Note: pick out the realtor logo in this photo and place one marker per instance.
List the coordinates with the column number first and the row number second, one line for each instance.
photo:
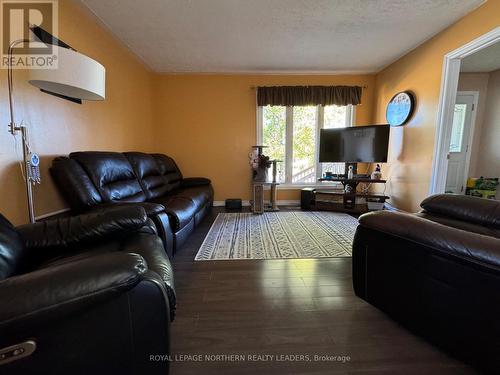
column 18, row 17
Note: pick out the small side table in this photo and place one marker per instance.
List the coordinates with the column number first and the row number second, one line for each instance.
column 258, row 206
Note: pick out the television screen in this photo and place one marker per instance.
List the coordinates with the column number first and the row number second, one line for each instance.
column 364, row 144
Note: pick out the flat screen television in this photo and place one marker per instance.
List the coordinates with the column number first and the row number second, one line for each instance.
column 364, row 144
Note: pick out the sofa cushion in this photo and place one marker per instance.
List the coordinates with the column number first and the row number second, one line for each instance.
column 168, row 169
column 12, row 249
column 147, row 170
column 180, row 210
column 112, row 175
column 200, row 195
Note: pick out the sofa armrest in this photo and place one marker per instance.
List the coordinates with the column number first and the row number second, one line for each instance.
column 67, row 231
column 195, row 181
column 159, row 223
column 475, row 210
column 75, row 184
column 58, row 290
column 456, row 242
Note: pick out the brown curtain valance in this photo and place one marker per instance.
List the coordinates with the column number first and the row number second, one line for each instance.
column 308, row 95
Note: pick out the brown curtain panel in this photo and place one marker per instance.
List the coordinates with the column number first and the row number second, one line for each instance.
column 308, row 95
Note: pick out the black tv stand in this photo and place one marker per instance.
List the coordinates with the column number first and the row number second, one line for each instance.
column 349, row 193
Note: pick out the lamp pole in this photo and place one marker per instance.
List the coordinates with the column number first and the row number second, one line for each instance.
column 14, row 130
column 87, row 84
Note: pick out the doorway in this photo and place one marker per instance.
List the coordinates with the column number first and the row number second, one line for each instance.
column 440, row 181
column 462, row 133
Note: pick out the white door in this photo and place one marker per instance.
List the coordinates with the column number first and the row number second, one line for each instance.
column 458, row 155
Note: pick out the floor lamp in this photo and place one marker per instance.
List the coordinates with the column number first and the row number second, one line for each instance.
column 76, row 78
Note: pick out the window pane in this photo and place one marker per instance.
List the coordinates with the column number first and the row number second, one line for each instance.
column 304, row 144
column 335, row 168
column 273, row 135
column 457, row 131
column 335, row 117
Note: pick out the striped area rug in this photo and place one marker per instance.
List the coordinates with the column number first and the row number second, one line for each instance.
column 279, row 235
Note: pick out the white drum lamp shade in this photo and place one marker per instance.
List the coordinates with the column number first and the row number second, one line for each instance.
column 77, row 76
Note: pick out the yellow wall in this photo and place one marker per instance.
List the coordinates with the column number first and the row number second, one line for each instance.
column 411, row 152
column 207, row 123
column 122, row 122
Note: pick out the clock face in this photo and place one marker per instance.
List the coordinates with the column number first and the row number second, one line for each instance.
column 400, row 108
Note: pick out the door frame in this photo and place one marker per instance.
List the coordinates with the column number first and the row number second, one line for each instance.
column 472, row 129
column 448, row 96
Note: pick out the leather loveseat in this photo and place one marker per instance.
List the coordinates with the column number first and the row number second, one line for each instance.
column 437, row 272
column 97, row 180
column 89, row 294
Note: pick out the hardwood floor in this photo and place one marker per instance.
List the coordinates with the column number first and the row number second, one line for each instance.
column 291, row 310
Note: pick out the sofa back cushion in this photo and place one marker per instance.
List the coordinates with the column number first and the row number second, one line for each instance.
column 112, row 175
column 11, row 249
column 153, row 182
column 75, row 184
column 168, row 169
column 460, row 207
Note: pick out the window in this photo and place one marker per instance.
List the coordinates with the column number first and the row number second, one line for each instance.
column 457, row 132
column 292, row 136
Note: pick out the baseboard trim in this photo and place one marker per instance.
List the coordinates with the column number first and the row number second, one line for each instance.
column 285, row 202
column 53, row 213
column 246, row 203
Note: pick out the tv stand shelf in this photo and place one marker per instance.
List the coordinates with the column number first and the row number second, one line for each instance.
column 349, row 202
column 352, row 180
column 360, row 195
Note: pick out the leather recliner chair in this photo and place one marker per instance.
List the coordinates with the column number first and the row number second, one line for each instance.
column 90, row 294
column 97, row 180
column 437, row 272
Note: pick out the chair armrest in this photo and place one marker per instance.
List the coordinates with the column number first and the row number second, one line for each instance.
column 195, row 181
column 152, row 209
column 67, row 231
column 467, row 245
column 58, row 290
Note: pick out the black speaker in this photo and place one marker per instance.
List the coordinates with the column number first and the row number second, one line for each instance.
column 233, row 204
column 307, row 198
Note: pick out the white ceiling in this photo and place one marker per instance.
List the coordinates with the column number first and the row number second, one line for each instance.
column 275, row 35
column 484, row 61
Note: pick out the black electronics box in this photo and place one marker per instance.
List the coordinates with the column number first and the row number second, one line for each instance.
column 233, row 204
column 307, row 198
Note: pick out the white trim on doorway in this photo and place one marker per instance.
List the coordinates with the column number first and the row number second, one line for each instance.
column 449, row 85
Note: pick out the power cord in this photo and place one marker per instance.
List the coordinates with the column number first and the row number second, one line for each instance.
column 366, row 187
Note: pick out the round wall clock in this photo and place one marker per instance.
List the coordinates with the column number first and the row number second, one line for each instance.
column 400, row 108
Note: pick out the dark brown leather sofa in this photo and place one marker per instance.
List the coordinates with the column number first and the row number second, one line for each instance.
column 89, row 294
column 437, row 272
column 96, row 180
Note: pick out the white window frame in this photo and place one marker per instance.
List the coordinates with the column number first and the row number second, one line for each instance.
column 320, row 115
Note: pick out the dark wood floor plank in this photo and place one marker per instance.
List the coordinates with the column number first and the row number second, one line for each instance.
column 302, row 307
